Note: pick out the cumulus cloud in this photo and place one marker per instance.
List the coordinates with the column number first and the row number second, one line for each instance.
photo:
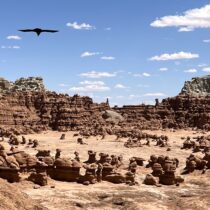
column 206, row 69
column 82, row 26
column 10, row 47
column 89, row 54
column 120, row 86
column 188, row 21
column 90, row 86
column 13, row 37
column 95, row 74
column 174, row 56
column 164, row 69
column 191, row 71
column 154, row 94
column 108, row 58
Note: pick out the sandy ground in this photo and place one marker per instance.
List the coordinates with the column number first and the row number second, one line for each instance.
column 194, row 193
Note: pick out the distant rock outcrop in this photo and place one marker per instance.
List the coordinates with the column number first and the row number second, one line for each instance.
column 198, row 86
column 22, row 84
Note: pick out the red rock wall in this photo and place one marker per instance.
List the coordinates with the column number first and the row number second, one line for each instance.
column 26, row 111
column 47, row 110
column 177, row 112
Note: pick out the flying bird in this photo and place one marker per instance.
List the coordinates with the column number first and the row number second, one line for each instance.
column 38, row 31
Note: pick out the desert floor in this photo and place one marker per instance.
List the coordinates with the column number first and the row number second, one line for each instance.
column 194, row 193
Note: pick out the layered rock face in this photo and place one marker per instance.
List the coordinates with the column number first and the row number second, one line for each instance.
column 191, row 108
column 26, row 106
column 48, row 110
column 178, row 112
column 198, row 86
column 39, row 110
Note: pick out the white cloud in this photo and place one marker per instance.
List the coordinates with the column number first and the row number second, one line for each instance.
column 154, row 94
column 206, row 69
column 86, row 82
column 14, row 37
column 202, row 65
column 10, row 47
column 109, row 58
column 89, row 54
column 82, row 26
column 191, row 71
column 90, row 86
column 174, row 56
column 164, row 69
column 189, row 21
column 95, row 74
column 185, row 29
column 206, row 40
column 120, row 86
column 108, row 29
column 146, row 74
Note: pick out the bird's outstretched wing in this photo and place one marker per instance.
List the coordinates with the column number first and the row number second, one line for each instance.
column 26, row 30
column 50, row 31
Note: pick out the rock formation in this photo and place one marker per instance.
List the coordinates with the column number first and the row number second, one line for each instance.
column 113, row 117
column 187, row 110
column 26, row 106
column 198, row 86
column 22, row 84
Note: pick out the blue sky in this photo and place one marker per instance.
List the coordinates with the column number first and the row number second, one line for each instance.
column 131, row 51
